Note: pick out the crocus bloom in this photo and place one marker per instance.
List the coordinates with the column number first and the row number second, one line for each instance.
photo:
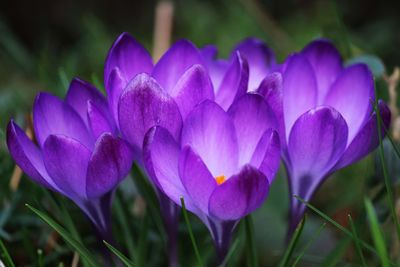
column 327, row 117
column 77, row 153
column 222, row 165
column 260, row 59
column 141, row 95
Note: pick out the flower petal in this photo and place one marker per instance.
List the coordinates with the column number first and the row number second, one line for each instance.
column 239, row 195
column 129, row 56
column 115, row 86
column 299, row 90
column 98, row 121
column 144, row 105
column 327, row 64
column 27, row 156
column 316, row 142
column 259, row 57
column 161, row 155
column 266, row 156
column 52, row 116
column 352, row 95
column 196, row 178
column 173, row 64
column 66, row 161
column 366, row 139
column 192, row 88
column 211, row 134
column 216, row 67
column 251, row 117
column 109, row 164
column 234, row 83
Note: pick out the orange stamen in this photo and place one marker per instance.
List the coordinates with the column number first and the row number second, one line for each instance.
column 220, row 179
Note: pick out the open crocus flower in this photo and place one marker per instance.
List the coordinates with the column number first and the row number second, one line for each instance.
column 222, row 165
column 260, row 59
column 327, row 117
column 77, row 153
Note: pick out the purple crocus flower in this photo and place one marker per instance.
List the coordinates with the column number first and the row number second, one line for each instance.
column 222, row 165
column 327, row 117
column 141, row 96
column 260, row 59
column 77, row 153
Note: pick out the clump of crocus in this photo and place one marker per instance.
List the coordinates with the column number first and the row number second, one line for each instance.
column 222, row 165
column 327, row 117
column 77, row 152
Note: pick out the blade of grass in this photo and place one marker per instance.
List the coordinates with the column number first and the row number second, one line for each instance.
column 309, row 243
column 387, row 179
column 376, row 233
column 143, row 241
column 231, row 252
column 83, row 251
column 251, row 248
column 189, row 226
column 121, row 256
column 6, row 255
column 336, row 254
column 40, row 258
column 357, row 242
column 292, row 244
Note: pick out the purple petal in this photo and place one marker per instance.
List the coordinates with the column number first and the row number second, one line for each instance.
column 98, row 121
column 352, row 95
column 109, row 164
column 144, row 105
column 196, row 178
column 216, row 67
column 27, row 156
column 234, row 83
column 66, row 161
column 251, row 117
column 210, row 132
column 327, row 64
column 366, row 139
column 192, row 88
column 260, row 59
column 316, row 142
column 115, row 86
column 299, row 90
column 78, row 95
column 52, row 116
column 266, row 156
column 129, row 56
column 239, row 195
column 173, row 64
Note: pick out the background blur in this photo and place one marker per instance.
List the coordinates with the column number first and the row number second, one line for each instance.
column 43, row 44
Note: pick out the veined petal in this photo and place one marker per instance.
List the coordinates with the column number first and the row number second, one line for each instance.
column 173, row 64
column 366, row 139
column 251, row 116
column 51, row 116
column 355, row 83
column 66, row 161
column 234, row 83
column 209, row 130
column 196, row 178
column 129, row 56
column 144, row 105
column 27, row 156
column 216, row 67
column 327, row 64
column 115, row 86
column 299, row 90
column 259, row 57
column 239, row 195
column 98, row 121
column 192, row 88
column 109, row 164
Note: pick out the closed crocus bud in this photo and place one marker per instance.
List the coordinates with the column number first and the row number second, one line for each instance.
column 77, row 153
column 327, row 117
column 222, row 165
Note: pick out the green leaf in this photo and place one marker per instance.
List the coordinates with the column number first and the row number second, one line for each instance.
column 292, row 244
column 121, row 256
column 336, row 254
column 357, row 242
column 83, row 251
column 189, row 226
column 40, row 258
column 251, row 247
column 6, row 255
column 232, row 250
column 377, row 234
